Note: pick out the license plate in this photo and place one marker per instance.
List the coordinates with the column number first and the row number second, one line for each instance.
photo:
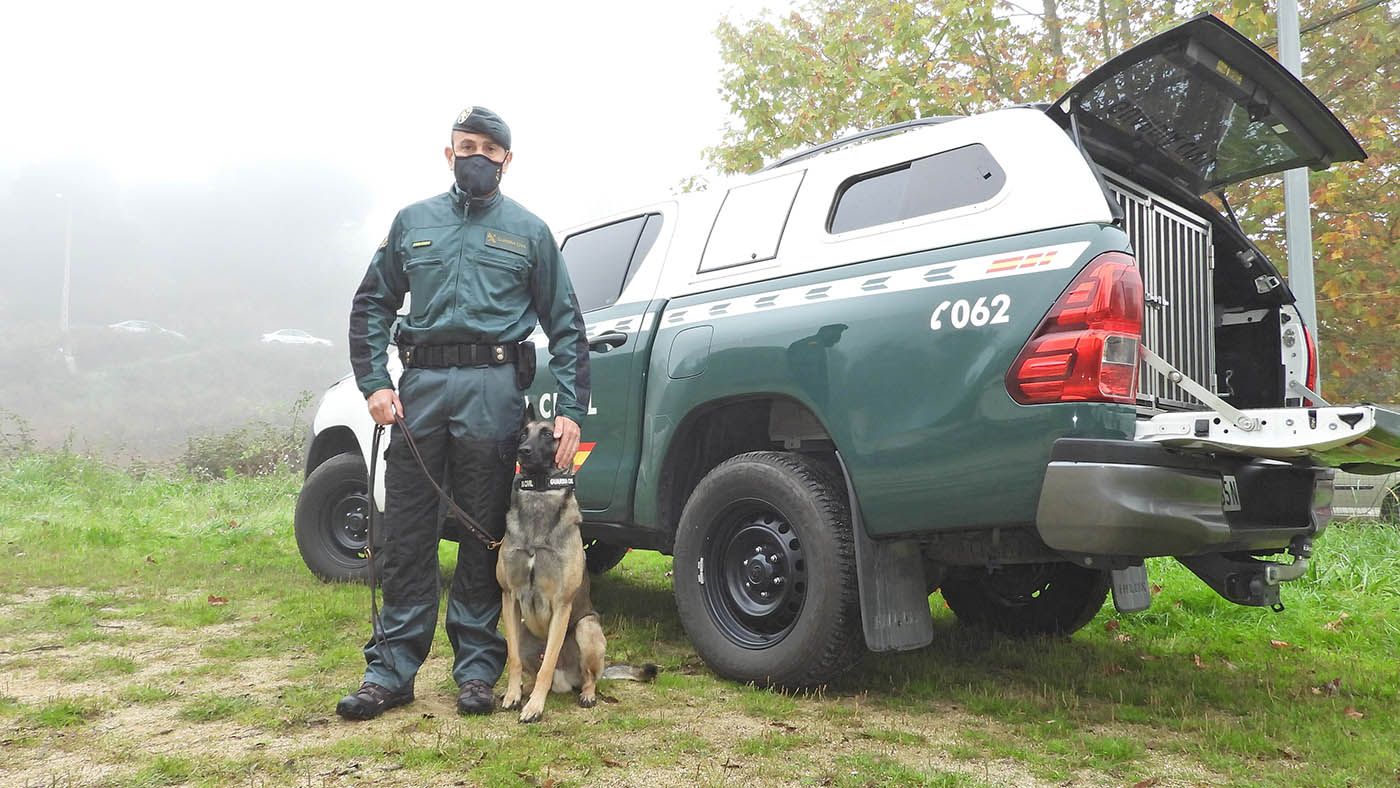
column 1230, row 494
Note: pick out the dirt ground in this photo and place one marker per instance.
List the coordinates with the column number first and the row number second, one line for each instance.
column 811, row 747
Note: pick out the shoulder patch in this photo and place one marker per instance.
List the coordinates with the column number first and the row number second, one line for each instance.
column 508, row 242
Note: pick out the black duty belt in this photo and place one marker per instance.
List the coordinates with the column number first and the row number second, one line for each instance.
column 460, row 355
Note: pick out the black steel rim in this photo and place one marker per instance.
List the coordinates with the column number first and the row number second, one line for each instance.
column 348, row 524
column 753, row 575
column 1016, row 586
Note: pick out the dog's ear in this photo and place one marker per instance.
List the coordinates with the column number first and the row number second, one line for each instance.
column 530, row 413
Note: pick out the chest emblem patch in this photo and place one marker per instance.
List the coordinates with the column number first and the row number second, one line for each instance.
column 506, row 241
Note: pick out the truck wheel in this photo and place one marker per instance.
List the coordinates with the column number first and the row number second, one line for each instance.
column 331, row 522
column 1026, row 599
column 1390, row 506
column 765, row 572
column 599, row 557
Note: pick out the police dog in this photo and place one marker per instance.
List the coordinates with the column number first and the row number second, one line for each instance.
column 551, row 628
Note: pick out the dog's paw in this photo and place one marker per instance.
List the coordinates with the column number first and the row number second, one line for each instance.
column 587, row 701
column 533, row 711
column 510, row 700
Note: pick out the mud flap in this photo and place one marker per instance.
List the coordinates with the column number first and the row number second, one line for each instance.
column 1130, row 591
column 893, row 589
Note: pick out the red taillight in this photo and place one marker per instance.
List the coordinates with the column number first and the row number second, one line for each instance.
column 1086, row 348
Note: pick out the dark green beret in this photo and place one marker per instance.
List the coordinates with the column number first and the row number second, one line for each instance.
column 483, row 121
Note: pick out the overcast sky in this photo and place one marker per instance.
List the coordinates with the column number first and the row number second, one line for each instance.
column 610, row 103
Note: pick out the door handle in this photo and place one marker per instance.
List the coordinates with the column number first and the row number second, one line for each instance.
column 607, row 340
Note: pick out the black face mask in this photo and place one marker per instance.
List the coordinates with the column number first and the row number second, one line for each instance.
column 477, row 176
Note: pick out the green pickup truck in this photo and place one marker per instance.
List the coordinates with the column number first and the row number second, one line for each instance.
column 1005, row 356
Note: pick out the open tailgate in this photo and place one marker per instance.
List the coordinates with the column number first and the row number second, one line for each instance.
column 1355, row 438
column 1204, row 106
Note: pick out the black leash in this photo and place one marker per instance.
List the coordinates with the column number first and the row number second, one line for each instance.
column 380, row 639
column 476, row 530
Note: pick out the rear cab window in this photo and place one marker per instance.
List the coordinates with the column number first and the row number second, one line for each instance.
column 750, row 223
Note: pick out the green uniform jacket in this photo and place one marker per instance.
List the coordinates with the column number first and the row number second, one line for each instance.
column 479, row 272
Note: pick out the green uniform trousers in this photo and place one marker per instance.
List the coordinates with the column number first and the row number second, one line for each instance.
column 465, row 422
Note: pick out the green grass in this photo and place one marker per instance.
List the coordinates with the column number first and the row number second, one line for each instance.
column 209, row 708
column 145, row 693
column 105, row 575
column 64, row 713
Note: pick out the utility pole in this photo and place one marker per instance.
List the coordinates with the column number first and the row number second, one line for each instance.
column 1296, row 211
column 63, row 328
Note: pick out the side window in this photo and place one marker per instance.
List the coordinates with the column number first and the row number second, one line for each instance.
column 952, row 179
column 599, row 260
column 750, row 222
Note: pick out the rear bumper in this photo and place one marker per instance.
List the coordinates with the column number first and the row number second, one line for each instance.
column 1125, row 498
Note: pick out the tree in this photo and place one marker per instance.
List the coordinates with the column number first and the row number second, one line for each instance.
column 831, row 68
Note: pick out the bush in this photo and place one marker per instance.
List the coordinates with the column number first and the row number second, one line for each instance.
column 16, row 439
column 256, row 449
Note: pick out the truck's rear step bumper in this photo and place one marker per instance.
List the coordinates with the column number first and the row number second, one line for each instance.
column 1127, row 498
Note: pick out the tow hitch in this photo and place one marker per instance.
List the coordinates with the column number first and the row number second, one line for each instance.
column 1250, row 581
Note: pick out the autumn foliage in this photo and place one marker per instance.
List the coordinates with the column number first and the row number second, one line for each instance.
column 830, row 68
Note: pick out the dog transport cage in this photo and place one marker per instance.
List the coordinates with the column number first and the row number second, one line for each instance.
column 1176, row 258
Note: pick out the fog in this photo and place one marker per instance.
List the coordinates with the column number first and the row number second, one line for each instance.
column 224, row 172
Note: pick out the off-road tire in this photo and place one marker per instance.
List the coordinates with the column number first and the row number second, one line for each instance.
column 1026, row 600
column 599, row 557
column 784, row 506
column 1390, row 506
column 333, row 490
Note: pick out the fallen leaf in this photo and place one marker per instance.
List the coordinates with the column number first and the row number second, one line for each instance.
column 1148, row 783
column 1197, row 661
column 1111, row 625
column 150, row 560
column 1123, row 637
column 1332, row 687
column 1156, row 589
column 1287, row 753
column 1353, row 713
column 1335, row 625
column 1279, row 643
column 610, row 762
column 218, row 601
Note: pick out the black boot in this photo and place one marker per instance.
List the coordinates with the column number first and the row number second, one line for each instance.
column 370, row 701
column 475, row 698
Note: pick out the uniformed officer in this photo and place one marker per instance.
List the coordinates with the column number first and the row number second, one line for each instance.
column 482, row 271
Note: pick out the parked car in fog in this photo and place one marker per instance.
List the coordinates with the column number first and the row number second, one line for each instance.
column 294, row 336
column 143, row 327
column 1367, row 496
